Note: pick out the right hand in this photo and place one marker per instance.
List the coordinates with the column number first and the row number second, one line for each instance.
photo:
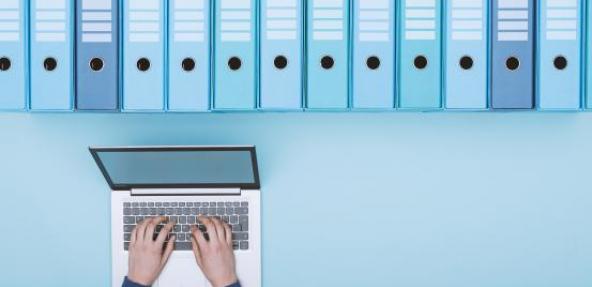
column 215, row 256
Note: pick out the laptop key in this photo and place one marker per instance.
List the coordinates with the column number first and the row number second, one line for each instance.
column 139, row 219
column 143, row 204
column 127, row 204
column 236, row 204
column 182, row 220
column 235, row 245
column 225, row 218
column 228, row 204
column 126, row 246
column 135, row 204
column 189, row 204
column 181, row 204
column 235, row 227
column 196, row 204
column 169, row 211
column 150, row 204
column 158, row 204
column 190, row 219
column 221, row 211
column 127, row 236
column 128, row 228
column 203, row 211
column 233, row 219
column 230, row 210
column 153, row 211
column 205, row 204
column 244, row 245
column 129, row 220
column 166, row 204
column 186, row 228
column 243, row 220
column 242, row 210
column 240, row 236
column 177, row 228
column 220, row 204
column 174, row 219
column 186, row 211
column 174, row 204
column 161, row 211
column 185, row 245
column 193, row 211
column 181, row 237
column 245, row 204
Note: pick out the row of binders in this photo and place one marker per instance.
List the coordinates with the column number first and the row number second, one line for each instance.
column 200, row 55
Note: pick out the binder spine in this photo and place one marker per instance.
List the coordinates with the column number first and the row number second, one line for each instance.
column 13, row 55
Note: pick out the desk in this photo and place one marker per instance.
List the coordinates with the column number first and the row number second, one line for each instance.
column 386, row 199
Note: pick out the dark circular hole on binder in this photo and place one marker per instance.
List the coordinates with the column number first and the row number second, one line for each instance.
column 4, row 64
column 188, row 64
column 143, row 64
column 466, row 62
column 96, row 64
column 327, row 62
column 235, row 63
column 420, row 62
column 280, row 62
column 512, row 63
column 560, row 63
column 50, row 64
column 373, row 62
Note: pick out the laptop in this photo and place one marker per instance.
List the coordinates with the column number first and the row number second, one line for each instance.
column 182, row 182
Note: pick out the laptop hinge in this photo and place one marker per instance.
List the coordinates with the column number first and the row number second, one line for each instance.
column 185, row 191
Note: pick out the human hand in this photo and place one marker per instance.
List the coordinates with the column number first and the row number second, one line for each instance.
column 215, row 257
column 146, row 255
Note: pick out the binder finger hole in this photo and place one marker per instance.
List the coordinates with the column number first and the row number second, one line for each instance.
column 373, row 62
column 50, row 64
column 466, row 62
column 280, row 62
column 4, row 64
column 96, row 64
column 235, row 63
column 143, row 64
column 188, row 64
column 512, row 63
column 420, row 62
column 560, row 63
column 327, row 62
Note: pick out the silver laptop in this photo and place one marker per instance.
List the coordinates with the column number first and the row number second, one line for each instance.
column 181, row 182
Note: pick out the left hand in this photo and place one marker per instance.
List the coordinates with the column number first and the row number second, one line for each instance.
column 146, row 255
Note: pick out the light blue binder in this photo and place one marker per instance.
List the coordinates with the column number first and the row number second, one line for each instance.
column 588, row 47
column 235, row 59
column 143, row 55
column 420, row 55
column 466, row 60
column 52, row 55
column 327, row 54
column 281, row 54
column 373, row 75
column 188, row 55
column 13, row 47
column 512, row 54
column 559, row 55
column 97, row 55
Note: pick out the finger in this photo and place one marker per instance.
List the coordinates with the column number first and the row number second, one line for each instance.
column 210, row 228
column 133, row 236
column 164, row 232
column 167, row 251
column 228, row 232
column 153, row 222
column 196, row 251
column 219, row 229
column 202, row 243
column 141, row 230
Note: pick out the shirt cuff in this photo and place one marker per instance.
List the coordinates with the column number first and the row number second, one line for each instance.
column 237, row 284
column 130, row 283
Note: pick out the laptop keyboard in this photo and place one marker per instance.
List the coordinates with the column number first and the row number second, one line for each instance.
column 185, row 214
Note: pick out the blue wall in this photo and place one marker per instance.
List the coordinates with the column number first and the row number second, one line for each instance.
column 401, row 199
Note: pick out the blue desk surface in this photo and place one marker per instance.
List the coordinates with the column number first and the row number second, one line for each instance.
column 404, row 199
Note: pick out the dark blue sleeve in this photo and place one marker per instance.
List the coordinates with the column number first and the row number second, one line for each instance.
column 129, row 283
column 237, row 284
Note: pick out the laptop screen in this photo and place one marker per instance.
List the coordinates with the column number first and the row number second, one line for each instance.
column 178, row 167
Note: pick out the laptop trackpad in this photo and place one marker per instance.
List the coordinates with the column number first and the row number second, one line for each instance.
column 181, row 272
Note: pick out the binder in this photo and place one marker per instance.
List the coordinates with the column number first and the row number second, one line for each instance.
column 52, row 55
column 235, row 62
column 97, row 49
column 420, row 54
column 327, row 54
column 588, row 47
column 143, row 55
column 188, row 55
column 512, row 54
column 559, row 55
column 373, row 54
column 281, row 54
column 13, row 47
column 466, row 60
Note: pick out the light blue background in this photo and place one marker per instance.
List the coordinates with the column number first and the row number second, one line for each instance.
column 391, row 199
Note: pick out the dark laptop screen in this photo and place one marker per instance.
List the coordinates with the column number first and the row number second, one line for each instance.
column 162, row 167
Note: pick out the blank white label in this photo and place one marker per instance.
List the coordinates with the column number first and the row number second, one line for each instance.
column 96, row 4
